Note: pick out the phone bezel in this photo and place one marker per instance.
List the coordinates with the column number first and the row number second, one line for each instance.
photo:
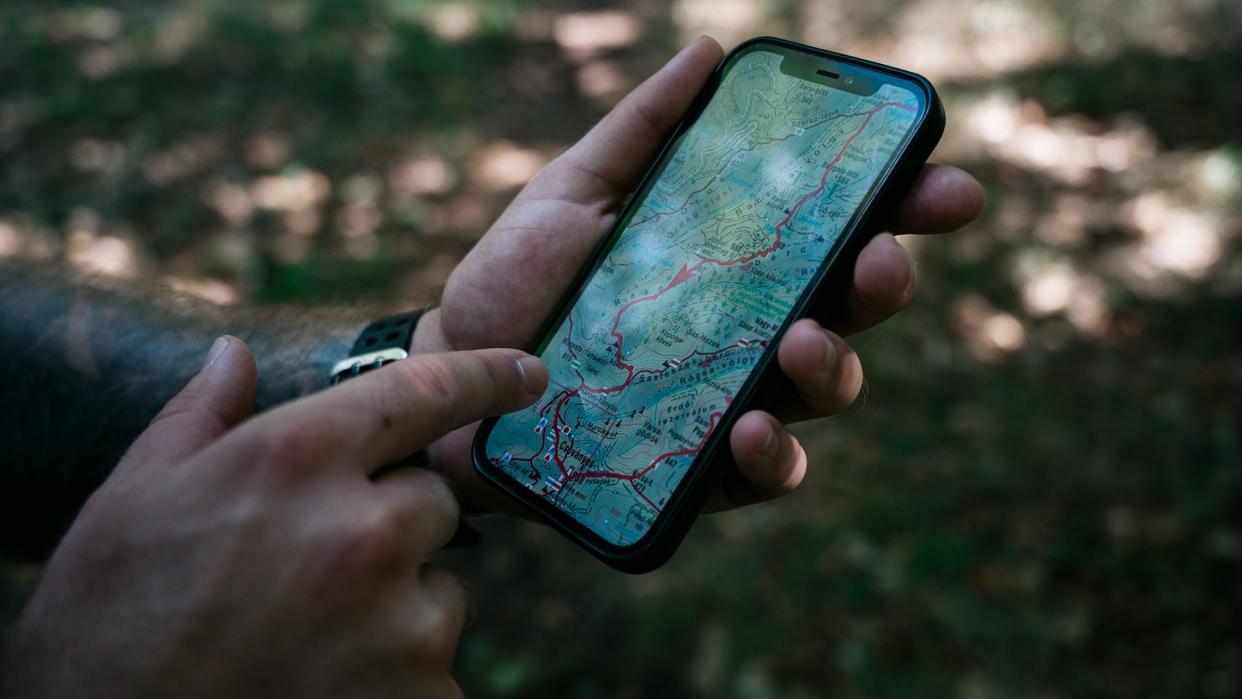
column 671, row 525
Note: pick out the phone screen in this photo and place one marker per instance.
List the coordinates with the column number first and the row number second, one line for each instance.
column 737, row 222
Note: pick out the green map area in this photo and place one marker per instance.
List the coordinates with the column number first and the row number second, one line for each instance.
column 678, row 312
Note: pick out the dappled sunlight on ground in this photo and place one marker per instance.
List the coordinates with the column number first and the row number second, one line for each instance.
column 502, row 165
column 1068, row 148
column 583, row 34
column 989, row 333
column 1175, row 240
column 107, row 255
column 452, row 21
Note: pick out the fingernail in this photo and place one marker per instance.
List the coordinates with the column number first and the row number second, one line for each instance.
column 531, row 370
column 913, row 266
column 217, row 349
column 912, row 282
column 830, row 351
column 770, row 444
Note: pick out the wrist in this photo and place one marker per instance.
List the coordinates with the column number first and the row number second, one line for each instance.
column 296, row 359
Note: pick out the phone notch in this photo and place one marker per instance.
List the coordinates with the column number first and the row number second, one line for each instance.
column 834, row 74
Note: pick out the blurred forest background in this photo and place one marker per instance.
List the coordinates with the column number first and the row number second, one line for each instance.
column 1042, row 493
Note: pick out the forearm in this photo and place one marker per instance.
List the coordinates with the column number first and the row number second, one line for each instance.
column 85, row 363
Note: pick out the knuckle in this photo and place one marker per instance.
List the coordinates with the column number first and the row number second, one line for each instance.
column 432, row 635
column 180, row 404
column 430, row 508
column 499, row 370
column 431, row 377
column 440, row 494
column 185, row 410
column 430, row 641
column 288, row 448
column 373, row 541
column 448, row 589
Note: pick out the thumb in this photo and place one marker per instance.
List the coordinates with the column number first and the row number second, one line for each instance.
column 219, row 396
column 619, row 150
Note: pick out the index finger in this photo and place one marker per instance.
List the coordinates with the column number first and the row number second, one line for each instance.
column 388, row 414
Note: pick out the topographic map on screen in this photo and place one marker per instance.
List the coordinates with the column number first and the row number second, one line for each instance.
column 678, row 311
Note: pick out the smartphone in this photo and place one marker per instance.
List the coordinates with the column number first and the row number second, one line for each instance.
column 776, row 177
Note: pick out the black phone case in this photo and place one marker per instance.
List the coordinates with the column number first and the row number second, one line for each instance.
column 832, row 280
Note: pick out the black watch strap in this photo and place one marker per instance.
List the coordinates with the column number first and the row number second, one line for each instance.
column 386, row 340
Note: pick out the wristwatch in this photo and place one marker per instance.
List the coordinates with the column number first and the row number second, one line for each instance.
column 384, row 341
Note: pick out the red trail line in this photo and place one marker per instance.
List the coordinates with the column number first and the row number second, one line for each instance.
column 711, row 425
column 686, row 273
column 683, row 275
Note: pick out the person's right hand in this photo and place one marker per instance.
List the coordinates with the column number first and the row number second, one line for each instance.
column 503, row 291
column 267, row 558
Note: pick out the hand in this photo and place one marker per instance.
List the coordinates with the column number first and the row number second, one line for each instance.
column 266, row 558
column 554, row 224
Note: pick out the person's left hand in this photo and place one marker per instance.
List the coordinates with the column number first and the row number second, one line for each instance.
column 556, row 221
column 275, row 555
